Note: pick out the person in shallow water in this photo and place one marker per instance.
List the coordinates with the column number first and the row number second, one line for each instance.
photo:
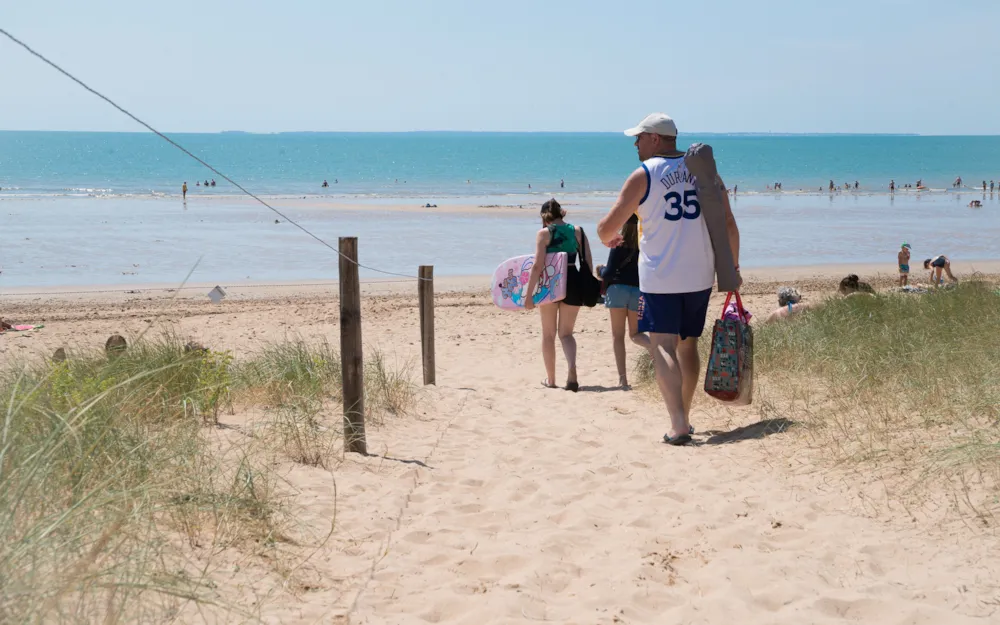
column 558, row 318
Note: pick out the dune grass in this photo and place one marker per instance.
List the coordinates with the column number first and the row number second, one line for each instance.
column 898, row 386
column 908, row 384
column 108, row 474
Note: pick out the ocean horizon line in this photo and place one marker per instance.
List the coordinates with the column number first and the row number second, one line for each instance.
column 736, row 134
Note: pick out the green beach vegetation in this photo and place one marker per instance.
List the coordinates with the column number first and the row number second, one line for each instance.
column 902, row 387
column 111, row 469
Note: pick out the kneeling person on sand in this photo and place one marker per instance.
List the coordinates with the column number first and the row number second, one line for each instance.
column 938, row 264
column 676, row 262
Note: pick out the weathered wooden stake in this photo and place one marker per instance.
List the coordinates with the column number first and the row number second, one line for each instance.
column 351, row 357
column 426, row 290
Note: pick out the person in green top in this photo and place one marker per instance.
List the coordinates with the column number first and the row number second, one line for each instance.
column 558, row 318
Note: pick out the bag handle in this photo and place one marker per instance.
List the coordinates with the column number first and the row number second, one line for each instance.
column 739, row 306
column 583, row 252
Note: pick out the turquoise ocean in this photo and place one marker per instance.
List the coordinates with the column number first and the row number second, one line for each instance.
column 82, row 208
column 466, row 164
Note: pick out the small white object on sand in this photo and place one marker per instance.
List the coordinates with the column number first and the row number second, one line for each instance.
column 217, row 294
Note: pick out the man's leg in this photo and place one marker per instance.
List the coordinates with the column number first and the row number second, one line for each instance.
column 687, row 353
column 638, row 338
column 663, row 349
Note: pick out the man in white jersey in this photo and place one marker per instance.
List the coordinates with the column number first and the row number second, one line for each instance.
column 676, row 262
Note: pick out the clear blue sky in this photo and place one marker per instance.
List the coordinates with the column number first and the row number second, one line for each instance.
column 587, row 65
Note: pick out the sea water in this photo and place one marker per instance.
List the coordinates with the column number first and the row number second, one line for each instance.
column 104, row 208
column 465, row 164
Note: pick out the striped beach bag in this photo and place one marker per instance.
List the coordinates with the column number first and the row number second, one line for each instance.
column 729, row 376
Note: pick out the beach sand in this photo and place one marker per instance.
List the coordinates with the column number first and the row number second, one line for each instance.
column 498, row 501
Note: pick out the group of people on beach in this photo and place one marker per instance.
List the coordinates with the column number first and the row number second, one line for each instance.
column 664, row 259
column 936, row 265
column 919, row 186
column 659, row 275
column 958, row 185
column 184, row 187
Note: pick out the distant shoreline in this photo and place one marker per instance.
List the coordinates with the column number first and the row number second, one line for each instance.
column 194, row 195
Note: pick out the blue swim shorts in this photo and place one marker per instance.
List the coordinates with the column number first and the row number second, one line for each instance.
column 682, row 314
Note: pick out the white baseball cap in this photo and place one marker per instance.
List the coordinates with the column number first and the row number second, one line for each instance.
column 655, row 123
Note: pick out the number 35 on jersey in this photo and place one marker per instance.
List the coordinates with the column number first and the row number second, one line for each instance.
column 685, row 206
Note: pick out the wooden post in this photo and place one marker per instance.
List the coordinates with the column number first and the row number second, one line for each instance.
column 425, row 288
column 351, row 357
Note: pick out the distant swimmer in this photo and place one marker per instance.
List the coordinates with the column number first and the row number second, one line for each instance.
column 325, row 184
column 206, row 183
column 831, row 186
column 197, row 183
column 735, row 187
column 991, row 186
column 856, row 185
column 336, row 181
column 892, row 186
column 984, row 186
column 957, row 183
column 213, row 182
column 184, row 189
column 562, row 183
column 529, row 185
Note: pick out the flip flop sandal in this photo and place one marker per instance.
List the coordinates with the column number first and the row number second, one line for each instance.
column 682, row 439
column 545, row 383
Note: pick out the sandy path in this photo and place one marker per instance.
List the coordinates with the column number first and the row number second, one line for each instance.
column 540, row 505
column 547, row 506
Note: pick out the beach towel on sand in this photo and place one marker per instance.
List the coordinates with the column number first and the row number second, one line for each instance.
column 729, row 375
column 22, row 328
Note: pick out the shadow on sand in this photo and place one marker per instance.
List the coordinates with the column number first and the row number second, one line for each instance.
column 758, row 430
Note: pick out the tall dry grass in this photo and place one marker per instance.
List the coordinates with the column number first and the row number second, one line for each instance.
column 108, row 474
column 902, row 387
column 904, row 384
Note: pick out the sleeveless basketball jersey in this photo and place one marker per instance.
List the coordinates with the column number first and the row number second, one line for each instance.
column 675, row 251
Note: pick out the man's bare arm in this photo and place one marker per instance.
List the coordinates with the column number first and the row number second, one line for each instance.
column 627, row 203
